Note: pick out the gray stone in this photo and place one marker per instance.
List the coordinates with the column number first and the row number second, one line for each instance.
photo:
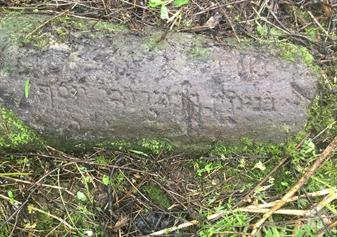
column 186, row 90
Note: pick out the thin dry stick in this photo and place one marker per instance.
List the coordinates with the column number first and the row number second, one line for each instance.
column 321, row 159
column 8, row 199
column 174, row 228
column 308, row 213
column 187, row 224
column 43, row 185
column 329, row 227
column 45, row 23
column 82, row 161
column 32, row 190
column 313, row 194
column 32, row 208
column 290, row 212
column 270, row 23
column 318, row 24
column 317, row 208
column 229, row 21
column 130, row 182
column 62, row 199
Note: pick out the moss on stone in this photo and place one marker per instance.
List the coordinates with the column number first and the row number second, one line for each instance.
column 109, row 27
column 146, row 145
column 198, row 49
column 15, row 27
column 322, row 113
column 323, row 110
column 14, row 134
column 293, row 53
column 153, row 42
column 41, row 30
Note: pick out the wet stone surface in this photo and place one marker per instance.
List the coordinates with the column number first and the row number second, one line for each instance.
column 184, row 90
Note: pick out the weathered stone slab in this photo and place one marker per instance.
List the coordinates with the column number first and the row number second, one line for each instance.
column 186, row 90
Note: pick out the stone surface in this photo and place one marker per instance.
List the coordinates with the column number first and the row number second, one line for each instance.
column 185, row 89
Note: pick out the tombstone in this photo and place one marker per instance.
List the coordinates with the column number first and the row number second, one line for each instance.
column 184, row 89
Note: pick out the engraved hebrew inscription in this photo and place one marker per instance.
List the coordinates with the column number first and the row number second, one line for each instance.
column 121, row 89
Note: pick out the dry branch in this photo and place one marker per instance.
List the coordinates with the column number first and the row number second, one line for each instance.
column 313, row 194
column 317, row 164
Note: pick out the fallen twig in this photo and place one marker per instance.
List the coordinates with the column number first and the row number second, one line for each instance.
column 329, row 227
column 328, row 199
column 307, row 213
column 318, row 24
column 31, row 208
column 39, row 184
column 321, row 159
column 45, row 23
column 291, row 212
column 174, row 228
column 313, row 194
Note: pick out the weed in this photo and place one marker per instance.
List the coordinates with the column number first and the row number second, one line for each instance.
column 106, row 180
column 164, row 11
column 101, row 159
column 305, row 231
column 156, row 146
column 248, row 147
column 81, row 196
column 118, row 181
column 203, row 167
column 229, row 225
column 273, row 232
column 267, row 32
column 12, row 200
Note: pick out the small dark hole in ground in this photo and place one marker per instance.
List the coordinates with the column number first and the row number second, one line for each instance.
column 152, row 222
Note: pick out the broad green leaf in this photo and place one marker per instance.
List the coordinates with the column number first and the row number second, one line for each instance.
column 81, row 196
column 285, row 184
column 10, row 194
column 106, row 180
column 11, row 197
column 164, row 12
column 155, row 3
column 27, row 86
column 179, row 3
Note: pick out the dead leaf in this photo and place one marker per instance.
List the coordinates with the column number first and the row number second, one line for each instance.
column 327, row 9
column 213, row 21
column 122, row 221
